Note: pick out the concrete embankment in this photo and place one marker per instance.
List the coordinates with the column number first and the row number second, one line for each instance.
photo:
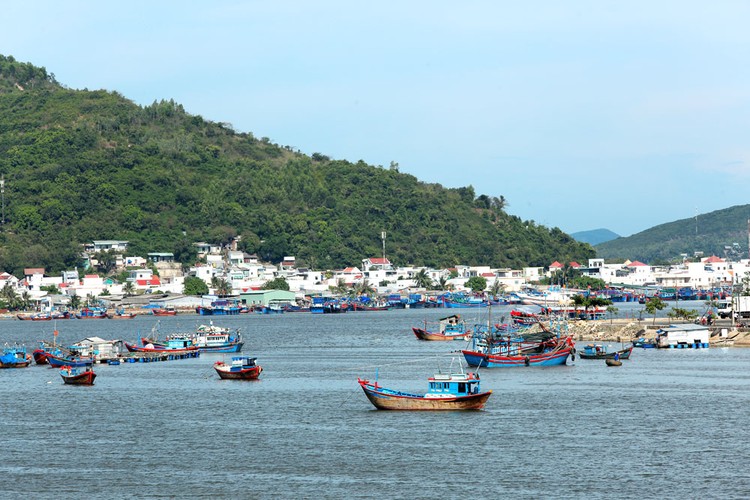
column 619, row 330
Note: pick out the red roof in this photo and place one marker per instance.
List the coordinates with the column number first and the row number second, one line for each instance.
column 555, row 264
column 713, row 259
column 636, row 263
column 488, row 275
column 153, row 281
column 379, row 260
column 574, row 264
column 33, row 270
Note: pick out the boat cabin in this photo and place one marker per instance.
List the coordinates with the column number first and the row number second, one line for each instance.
column 595, row 349
column 243, row 362
column 451, row 385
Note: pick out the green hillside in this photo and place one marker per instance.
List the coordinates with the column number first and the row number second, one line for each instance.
column 81, row 165
column 709, row 233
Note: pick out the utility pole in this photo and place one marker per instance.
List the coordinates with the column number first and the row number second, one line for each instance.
column 2, row 195
column 382, row 237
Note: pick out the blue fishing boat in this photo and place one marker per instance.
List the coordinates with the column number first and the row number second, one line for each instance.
column 60, row 360
column 455, row 390
column 15, row 357
column 541, row 349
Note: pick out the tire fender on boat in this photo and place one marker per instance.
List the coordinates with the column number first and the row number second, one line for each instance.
column 526, row 361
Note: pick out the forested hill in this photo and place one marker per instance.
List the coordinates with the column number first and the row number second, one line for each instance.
column 81, row 165
column 723, row 233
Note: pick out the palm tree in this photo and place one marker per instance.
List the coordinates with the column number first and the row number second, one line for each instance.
column 442, row 282
column 75, row 302
column 128, row 288
column 422, row 279
column 364, row 288
column 497, row 288
column 25, row 300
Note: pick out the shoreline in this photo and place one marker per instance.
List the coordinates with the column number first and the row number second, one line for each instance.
column 626, row 330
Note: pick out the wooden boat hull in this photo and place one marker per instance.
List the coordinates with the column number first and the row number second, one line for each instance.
column 40, row 357
column 613, row 362
column 423, row 334
column 61, row 361
column 17, row 364
column 624, row 354
column 551, row 358
column 83, row 378
column 246, row 374
column 164, row 313
column 392, row 401
column 135, row 348
column 123, row 316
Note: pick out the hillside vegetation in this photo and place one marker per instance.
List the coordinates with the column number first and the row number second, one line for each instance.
column 81, row 165
column 723, row 233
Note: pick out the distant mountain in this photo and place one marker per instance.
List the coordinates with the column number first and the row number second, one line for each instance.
column 594, row 236
column 723, row 233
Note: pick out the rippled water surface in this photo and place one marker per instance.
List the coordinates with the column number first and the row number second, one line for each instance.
column 667, row 424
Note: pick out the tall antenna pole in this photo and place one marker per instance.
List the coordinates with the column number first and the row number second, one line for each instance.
column 382, row 237
column 2, row 195
column 748, row 238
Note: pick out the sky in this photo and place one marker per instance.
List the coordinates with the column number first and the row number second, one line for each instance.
column 582, row 114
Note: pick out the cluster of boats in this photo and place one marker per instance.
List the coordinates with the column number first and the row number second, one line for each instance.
column 76, row 362
column 524, row 343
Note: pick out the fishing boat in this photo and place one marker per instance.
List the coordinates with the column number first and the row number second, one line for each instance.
column 164, row 311
column 599, row 351
column 92, row 313
column 240, row 368
column 644, row 343
column 175, row 345
column 446, row 391
column 61, row 359
column 208, row 338
column 15, row 357
column 523, row 349
column 448, row 328
column 121, row 314
column 75, row 375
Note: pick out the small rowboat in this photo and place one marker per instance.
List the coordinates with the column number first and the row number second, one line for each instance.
column 613, row 362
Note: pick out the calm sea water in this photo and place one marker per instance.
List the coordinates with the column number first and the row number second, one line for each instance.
column 667, row 424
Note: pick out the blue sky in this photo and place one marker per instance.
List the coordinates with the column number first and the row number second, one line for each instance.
column 582, row 114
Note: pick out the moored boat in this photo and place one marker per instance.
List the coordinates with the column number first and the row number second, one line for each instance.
column 240, row 368
column 448, row 328
column 446, row 391
column 59, row 359
column 92, row 313
column 15, row 357
column 613, row 362
column 515, row 352
column 164, row 311
column 74, row 375
column 600, row 351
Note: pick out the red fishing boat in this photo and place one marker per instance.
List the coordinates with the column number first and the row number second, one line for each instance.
column 74, row 375
column 241, row 368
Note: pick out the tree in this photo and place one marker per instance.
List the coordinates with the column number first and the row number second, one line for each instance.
column 422, row 279
column 497, row 288
column 476, row 283
column 194, row 286
column 129, row 289
column 105, row 261
column 276, row 284
column 653, row 305
column 612, row 310
column 75, row 302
